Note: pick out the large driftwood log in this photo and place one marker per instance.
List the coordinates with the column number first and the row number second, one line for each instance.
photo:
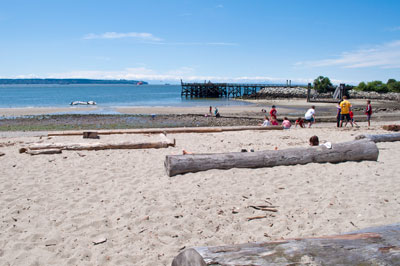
column 102, row 146
column 372, row 246
column 164, row 143
column 381, row 137
column 167, row 130
column 340, row 152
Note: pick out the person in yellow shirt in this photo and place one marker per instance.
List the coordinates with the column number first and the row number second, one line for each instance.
column 345, row 108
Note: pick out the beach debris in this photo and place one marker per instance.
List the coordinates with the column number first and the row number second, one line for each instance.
column 2, row 153
column 256, row 217
column 264, row 208
column 391, row 127
column 235, row 210
column 165, row 143
column 380, row 137
column 169, row 130
column 38, row 152
column 341, row 152
column 100, row 240
column 347, row 249
column 90, row 135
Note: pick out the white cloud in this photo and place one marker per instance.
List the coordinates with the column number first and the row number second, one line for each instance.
column 118, row 35
column 386, row 55
column 185, row 73
column 220, row 6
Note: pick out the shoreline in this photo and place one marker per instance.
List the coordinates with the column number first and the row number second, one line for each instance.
column 285, row 107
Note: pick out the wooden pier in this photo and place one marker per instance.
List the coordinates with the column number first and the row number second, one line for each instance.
column 219, row 90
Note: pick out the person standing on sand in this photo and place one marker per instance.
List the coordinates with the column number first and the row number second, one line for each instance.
column 310, row 116
column 345, row 108
column 210, row 110
column 368, row 112
column 338, row 112
column 273, row 112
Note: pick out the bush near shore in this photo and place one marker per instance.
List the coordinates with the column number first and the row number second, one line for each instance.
column 298, row 92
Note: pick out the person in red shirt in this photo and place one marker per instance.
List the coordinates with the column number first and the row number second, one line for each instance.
column 274, row 122
column 273, row 112
column 351, row 118
column 300, row 122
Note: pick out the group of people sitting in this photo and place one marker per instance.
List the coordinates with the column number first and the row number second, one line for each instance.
column 272, row 120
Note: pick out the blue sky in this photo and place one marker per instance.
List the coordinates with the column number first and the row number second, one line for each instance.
column 217, row 40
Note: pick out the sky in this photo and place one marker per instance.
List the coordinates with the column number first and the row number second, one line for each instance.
column 160, row 41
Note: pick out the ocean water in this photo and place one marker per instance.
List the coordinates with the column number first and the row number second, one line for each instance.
column 106, row 96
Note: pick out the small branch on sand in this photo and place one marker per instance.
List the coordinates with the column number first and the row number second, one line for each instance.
column 265, row 208
column 256, row 217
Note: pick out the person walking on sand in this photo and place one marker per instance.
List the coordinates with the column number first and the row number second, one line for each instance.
column 210, row 110
column 345, row 108
column 310, row 116
column 368, row 112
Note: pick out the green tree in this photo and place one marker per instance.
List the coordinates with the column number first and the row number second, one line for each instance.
column 393, row 85
column 322, row 84
column 377, row 86
column 361, row 86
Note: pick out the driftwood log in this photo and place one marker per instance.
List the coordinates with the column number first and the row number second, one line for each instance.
column 39, row 152
column 371, row 246
column 381, row 137
column 164, row 143
column 340, row 152
column 167, row 130
column 2, row 153
column 102, row 146
column 391, row 127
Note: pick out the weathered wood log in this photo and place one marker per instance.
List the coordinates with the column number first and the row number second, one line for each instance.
column 2, row 154
column 381, row 137
column 391, row 127
column 168, row 130
column 102, row 146
column 39, row 152
column 90, row 135
column 164, row 143
column 371, row 246
column 340, row 152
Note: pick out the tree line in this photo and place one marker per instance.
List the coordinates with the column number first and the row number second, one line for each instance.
column 323, row 84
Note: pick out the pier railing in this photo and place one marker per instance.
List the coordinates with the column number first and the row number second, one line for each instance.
column 218, row 90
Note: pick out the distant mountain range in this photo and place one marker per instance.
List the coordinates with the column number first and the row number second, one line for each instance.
column 70, row 81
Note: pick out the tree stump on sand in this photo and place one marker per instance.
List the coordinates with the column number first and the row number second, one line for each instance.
column 372, row 246
column 90, row 135
column 340, row 152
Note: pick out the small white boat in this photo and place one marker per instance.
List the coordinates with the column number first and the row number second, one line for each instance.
column 83, row 103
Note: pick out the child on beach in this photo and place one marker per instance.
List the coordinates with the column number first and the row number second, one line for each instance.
column 286, row 123
column 299, row 122
column 351, row 118
column 273, row 112
column 266, row 122
column 310, row 116
column 368, row 112
column 274, row 122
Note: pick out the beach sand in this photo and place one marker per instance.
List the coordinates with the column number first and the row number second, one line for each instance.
column 53, row 207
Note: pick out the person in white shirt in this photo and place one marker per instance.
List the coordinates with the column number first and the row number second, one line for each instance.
column 310, row 116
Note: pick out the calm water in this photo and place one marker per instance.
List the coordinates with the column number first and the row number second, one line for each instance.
column 106, row 96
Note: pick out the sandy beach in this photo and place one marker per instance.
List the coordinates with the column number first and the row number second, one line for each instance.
column 54, row 207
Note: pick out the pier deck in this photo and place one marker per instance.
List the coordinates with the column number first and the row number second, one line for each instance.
column 218, row 90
